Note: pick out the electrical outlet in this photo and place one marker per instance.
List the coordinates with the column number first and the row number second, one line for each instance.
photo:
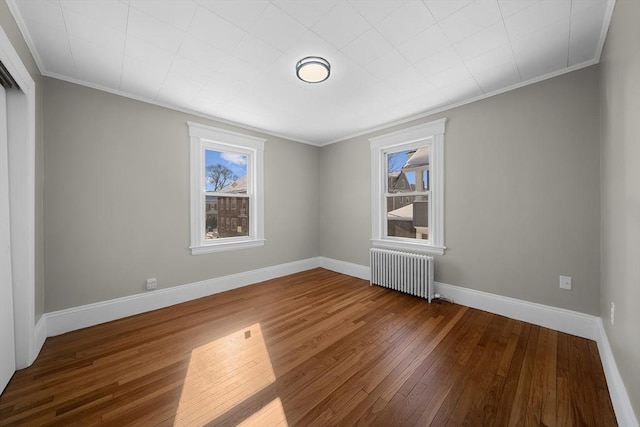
column 613, row 313
column 565, row 282
column 152, row 283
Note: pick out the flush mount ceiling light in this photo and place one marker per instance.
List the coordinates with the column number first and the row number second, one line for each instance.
column 313, row 69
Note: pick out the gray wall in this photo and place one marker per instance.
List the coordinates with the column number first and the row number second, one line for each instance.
column 345, row 194
column 521, row 194
column 117, row 199
column 10, row 28
column 620, row 169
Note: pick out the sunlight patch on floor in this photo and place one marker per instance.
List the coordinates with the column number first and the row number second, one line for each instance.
column 224, row 373
column 272, row 414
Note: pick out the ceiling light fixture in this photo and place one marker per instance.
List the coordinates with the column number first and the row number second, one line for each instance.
column 313, row 69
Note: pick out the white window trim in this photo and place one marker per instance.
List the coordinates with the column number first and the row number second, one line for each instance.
column 204, row 137
column 431, row 133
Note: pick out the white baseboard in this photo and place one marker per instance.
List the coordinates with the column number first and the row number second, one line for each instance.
column 348, row 268
column 617, row 390
column 40, row 336
column 570, row 322
column 60, row 322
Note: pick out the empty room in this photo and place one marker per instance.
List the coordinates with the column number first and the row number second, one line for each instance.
column 320, row 212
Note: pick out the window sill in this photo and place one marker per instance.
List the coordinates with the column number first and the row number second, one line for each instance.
column 408, row 246
column 226, row 246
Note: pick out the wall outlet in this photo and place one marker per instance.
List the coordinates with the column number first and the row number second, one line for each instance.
column 565, row 282
column 613, row 313
column 152, row 283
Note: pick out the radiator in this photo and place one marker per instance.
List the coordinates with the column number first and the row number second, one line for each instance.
column 402, row 271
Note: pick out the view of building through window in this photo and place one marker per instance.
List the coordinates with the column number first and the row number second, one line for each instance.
column 408, row 193
column 227, row 200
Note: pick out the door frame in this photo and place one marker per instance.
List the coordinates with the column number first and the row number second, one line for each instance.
column 7, row 330
column 21, row 112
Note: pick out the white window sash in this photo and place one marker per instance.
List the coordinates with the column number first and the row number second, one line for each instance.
column 204, row 138
column 429, row 134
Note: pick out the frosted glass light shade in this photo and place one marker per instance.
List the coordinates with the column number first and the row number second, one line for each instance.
column 313, row 69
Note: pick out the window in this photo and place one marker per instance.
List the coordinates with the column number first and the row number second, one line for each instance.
column 226, row 171
column 407, row 169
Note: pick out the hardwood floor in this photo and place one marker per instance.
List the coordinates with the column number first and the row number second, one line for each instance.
column 312, row 349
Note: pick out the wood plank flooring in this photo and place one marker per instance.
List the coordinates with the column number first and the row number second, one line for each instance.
column 312, row 349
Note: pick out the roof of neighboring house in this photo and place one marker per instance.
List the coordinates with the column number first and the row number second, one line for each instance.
column 395, row 178
column 237, row 186
column 404, row 213
column 419, row 158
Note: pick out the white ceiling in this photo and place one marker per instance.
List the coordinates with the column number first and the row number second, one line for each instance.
column 235, row 59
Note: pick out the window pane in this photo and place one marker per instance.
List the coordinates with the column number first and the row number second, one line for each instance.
column 211, row 217
column 408, row 217
column 231, row 220
column 225, row 172
column 408, row 170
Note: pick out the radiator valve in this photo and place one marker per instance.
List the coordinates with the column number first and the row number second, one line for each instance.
column 443, row 298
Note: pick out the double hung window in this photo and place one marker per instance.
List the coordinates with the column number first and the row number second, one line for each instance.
column 227, row 200
column 407, row 168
